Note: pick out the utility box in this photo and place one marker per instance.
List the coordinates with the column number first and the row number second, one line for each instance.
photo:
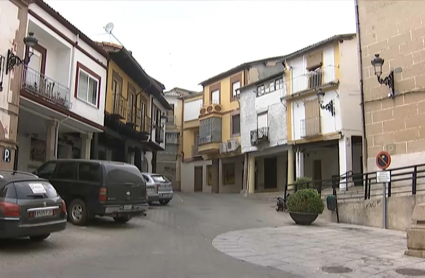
column 331, row 202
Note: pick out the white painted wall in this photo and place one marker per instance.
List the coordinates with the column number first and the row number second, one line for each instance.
column 191, row 110
column 188, row 176
column 61, row 61
column 251, row 106
column 350, row 87
column 163, row 112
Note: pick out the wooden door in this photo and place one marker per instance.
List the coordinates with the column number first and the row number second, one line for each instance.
column 270, row 173
column 317, row 173
column 198, row 179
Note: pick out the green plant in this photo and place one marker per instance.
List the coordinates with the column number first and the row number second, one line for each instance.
column 303, row 183
column 305, row 200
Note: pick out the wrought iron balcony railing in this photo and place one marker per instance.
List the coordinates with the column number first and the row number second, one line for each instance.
column 120, row 106
column 259, row 135
column 314, row 79
column 134, row 116
column 46, row 88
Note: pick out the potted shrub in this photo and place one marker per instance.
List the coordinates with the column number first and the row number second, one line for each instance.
column 304, row 206
column 303, row 183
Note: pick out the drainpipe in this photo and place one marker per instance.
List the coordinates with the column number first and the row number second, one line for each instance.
column 72, row 61
column 356, row 2
column 57, row 136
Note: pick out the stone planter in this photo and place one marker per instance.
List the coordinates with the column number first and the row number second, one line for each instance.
column 303, row 218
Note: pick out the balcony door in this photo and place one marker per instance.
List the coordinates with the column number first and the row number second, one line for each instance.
column 34, row 75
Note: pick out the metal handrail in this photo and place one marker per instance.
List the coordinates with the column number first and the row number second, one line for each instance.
column 368, row 179
column 45, row 87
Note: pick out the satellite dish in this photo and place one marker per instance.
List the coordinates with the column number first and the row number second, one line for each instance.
column 109, row 27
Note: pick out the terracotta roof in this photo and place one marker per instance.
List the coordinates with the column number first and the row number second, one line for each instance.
column 70, row 26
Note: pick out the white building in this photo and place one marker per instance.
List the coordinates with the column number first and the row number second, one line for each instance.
column 62, row 90
column 264, row 130
column 322, row 116
column 13, row 19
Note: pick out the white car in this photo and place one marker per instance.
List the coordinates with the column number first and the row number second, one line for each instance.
column 158, row 188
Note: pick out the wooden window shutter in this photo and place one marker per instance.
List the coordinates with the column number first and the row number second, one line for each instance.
column 312, row 109
column 314, row 61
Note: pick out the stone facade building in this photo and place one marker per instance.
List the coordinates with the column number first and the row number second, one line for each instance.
column 396, row 31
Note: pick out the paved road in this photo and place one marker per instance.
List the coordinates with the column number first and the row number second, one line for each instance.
column 172, row 241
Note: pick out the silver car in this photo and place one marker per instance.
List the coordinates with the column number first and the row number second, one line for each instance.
column 159, row 188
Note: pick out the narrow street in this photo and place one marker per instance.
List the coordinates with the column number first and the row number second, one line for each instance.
column 172, row 241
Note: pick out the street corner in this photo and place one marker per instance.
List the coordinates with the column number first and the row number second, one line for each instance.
column 326, row 250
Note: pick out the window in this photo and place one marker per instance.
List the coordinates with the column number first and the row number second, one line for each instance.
column 89, row 172
column 229, row 174
column 87, row 85
column 262, row 120
column 260, row 90
column 235, row 87
column 267, row 88
column 67, row 171
column 272, row 86
column 215, row 96
column 236, row 124
column 27, row 189
column 159, row 178
column 279, row 83
column 8, row 192
column 47, row 168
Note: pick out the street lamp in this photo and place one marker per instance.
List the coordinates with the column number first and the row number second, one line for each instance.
column 13, row 60
column 377, row 64
column 329, row 107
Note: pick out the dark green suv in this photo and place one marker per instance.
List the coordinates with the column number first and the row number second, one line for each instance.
column 92, row 187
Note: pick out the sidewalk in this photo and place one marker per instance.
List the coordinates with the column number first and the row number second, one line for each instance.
column 324, row 250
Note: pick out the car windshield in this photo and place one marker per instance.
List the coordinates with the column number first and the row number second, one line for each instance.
column 35, row 189
column 159, row 178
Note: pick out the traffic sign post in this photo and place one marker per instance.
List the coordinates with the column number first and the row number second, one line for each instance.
column 383, row 161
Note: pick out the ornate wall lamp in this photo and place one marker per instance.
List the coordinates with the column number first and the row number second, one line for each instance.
column 389, row 80
column 13, row 60
column 329, row 106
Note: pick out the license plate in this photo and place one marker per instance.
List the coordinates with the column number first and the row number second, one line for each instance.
column 43, row 213
column 127, row 207
column 151, row 190
column 165, row 195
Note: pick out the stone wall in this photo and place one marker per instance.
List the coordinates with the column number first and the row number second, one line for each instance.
column 396, row 31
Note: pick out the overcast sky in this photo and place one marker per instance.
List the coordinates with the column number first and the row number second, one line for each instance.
column 182, row 43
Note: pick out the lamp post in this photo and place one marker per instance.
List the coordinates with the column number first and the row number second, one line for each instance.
column 329, row 106
column 377, row 64
column 13, row 60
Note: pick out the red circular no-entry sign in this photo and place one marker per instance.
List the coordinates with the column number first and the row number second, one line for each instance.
column 383, row 160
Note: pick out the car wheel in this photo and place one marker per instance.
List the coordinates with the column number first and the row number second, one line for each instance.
column 40, row 237
column 164, row 202
column 122, row 219
column 78, row 212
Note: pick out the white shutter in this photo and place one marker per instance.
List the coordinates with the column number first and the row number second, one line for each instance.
column 262, row 120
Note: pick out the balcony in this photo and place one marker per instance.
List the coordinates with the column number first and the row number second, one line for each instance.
column 134, row 116
column 214, row 109
column 314, row 79
column 171, row 119
column 120, row 107
column 259, row 135
column 146, row 125
column 310, row 127
column 172, row 138
column 210, row 135
column 159, row 134
column 45, row 88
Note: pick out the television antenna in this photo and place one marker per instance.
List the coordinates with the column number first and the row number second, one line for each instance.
column 108, row 28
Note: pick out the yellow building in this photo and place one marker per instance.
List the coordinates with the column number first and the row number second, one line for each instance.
column 135, row 112
column 169, row 160
column 211, row 129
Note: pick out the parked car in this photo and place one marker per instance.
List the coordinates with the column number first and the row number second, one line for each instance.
column 29, row 207
column 97, row 188
column 159, row 188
